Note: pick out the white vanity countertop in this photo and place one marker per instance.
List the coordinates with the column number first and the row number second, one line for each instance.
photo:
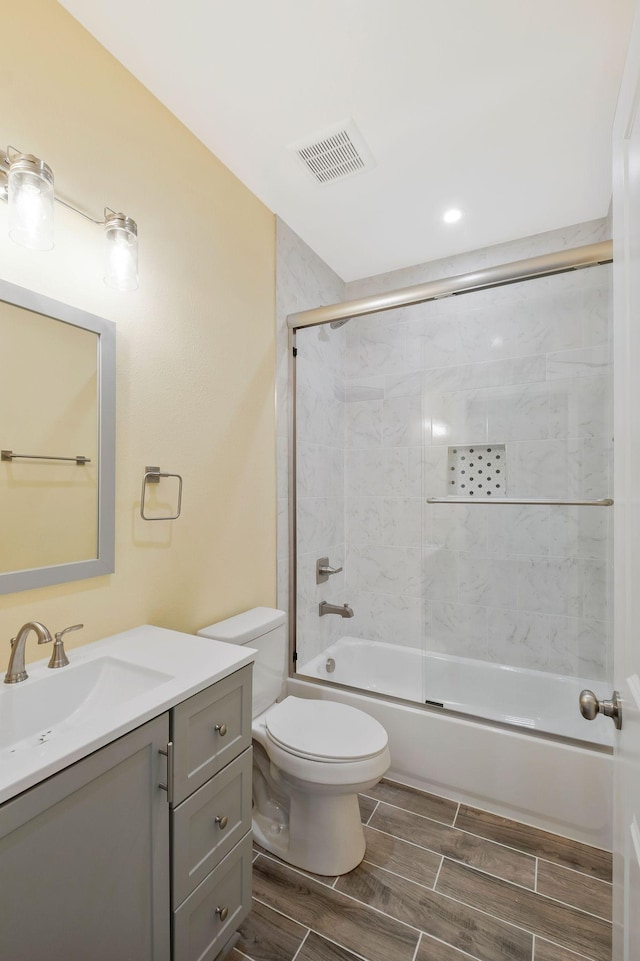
column 110, row 687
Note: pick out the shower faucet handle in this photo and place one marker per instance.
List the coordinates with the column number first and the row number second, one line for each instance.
column 323, row 570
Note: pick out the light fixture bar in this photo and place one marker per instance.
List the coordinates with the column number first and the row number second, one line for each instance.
column 28, row 189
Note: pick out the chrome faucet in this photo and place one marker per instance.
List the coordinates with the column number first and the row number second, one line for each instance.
column 342, row 609
column 16, row 671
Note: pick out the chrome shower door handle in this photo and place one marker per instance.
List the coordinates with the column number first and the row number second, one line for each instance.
column 590, row 707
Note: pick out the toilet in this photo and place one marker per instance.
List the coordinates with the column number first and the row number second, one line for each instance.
column 311, row 758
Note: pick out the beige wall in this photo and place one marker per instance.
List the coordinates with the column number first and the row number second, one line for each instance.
column 195, row 347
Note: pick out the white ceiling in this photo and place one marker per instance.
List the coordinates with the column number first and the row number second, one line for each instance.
column 502, row 108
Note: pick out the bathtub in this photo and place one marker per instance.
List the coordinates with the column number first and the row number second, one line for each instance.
column 559, row 779
column 536, row 700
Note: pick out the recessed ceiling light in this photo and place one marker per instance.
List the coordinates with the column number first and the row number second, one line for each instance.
column 452, row 216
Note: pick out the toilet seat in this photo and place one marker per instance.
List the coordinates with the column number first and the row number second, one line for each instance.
column 324, row 731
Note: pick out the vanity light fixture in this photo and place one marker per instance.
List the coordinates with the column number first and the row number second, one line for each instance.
column 29, row 193
column 30, row 199
column 121, row 251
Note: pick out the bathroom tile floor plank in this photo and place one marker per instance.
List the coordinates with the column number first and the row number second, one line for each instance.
column 418, row 802
column 477, row 933
column 558, row 922
column 494, row 858
column 580, row 890
column 352, row 924
column 401, row 857
column 327, row 879
column 316, row 948
column 266, row 935
column 545, row 951
column 551, row 847
column 432, row 950
column 430, row 891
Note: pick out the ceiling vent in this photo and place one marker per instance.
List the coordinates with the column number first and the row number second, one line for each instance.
column 335, row 154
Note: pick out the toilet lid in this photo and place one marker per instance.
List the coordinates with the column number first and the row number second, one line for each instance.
column 324, row 730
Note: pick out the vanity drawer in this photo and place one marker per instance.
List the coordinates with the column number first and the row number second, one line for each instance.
column 206, row 920
column 209, row 730
column 209, row 824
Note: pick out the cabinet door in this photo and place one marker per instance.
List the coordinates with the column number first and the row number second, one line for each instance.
column 84, row 858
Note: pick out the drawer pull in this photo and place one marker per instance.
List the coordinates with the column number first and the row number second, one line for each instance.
column 221, row 729
column 222, row 821
column 223, row 913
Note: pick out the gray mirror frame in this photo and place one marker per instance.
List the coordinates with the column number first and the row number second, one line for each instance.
column 104, row 563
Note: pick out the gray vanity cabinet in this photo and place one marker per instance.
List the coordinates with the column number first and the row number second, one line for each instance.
column 96, row 865
column 84, row 856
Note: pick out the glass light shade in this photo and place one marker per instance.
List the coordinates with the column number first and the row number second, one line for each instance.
column 121, row 252
column 30, row 197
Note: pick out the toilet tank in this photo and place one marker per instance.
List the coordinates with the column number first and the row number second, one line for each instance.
column 264, row 629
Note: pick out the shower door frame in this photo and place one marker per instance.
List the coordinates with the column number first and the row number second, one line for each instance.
column 563, row 261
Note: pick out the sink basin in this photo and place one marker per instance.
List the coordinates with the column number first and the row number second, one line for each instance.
column 111, row 687
column 37, row 710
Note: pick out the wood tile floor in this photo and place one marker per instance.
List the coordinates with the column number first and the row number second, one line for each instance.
column 440, row 882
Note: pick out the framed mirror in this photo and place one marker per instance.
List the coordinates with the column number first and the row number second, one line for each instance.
column 57, row 437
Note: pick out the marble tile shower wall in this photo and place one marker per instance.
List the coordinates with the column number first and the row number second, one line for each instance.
column 526, row 366
column 303, row 280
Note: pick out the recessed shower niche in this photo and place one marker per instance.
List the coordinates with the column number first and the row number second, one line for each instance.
column 479, row 470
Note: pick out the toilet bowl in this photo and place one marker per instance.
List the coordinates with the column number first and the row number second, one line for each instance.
column 311, row 757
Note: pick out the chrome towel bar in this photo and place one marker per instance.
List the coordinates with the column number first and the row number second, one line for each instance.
column 10, row 456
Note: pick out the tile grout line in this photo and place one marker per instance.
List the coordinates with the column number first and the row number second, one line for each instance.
column 415, row 953
column 377, row 804
column 533, row 948
column 301, row 944
column 535, row 878
column 455, row 816
column 438, row 872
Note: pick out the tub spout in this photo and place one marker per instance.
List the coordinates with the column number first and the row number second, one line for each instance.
column 343, row 610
